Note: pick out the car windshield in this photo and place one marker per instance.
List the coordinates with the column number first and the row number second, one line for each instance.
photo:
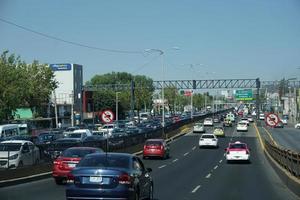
column 78, row 153
column 242, row 124
column 237, row 146
column 103, row 160
column 10, row 146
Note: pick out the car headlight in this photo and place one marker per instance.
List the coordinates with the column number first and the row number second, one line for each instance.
column 13, row 157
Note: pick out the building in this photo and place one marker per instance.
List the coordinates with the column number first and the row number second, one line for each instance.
column 67, row 97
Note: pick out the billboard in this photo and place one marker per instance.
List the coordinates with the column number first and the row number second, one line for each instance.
column 244, row 95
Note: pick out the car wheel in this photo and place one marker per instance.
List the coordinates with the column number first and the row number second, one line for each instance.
column 150, row 196
column 58, row 181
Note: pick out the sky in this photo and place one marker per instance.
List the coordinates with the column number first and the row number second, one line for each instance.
column 200, row 39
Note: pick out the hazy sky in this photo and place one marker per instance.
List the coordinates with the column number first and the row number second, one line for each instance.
column 216, row 39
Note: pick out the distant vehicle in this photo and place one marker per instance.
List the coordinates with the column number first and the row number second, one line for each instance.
column 216, row 120
column 242, row 126
column 250, row 118
column 198, row 128
column 244, row 119
column 79, row 134
column 18, row 153
column 68, row 160
column 219, row 131
column 237, row 151
column 284, row 121
column 227, row 123
column 262, row 116
column 47, row 138
column 110, row 176
column 108, row 128
column 208, row 140
column 9, row 130
column 70, row 130
column 297, row 125
column 231, row 117
column 208, row 122
column 279, row 125
column 156, row 148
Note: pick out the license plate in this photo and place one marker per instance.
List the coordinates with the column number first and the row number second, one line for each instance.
column 72, row 165
column 95, row 179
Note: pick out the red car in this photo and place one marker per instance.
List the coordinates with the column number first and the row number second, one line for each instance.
column 156, row 148
column 68, row 160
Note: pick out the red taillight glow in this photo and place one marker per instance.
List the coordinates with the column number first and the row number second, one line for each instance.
column 57, row 162
column 124, row 179
column 70, row 178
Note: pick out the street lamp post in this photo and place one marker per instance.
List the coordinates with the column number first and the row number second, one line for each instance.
column 117, row 106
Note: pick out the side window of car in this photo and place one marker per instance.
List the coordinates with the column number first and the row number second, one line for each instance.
column 25, row 148
column 140, row 164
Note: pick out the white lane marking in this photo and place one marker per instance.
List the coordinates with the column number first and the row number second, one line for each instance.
column 175, row 160
column 220, row 161
column 208, row 175
column 196, row 188
column 194, row 148
column 160, row 167
column 224, row 154
column 187, row 153
column 216, row 167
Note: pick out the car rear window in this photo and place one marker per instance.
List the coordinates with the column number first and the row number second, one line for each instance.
column 237, row 146
column 98, row 160
column 207, row 136
column 153, row 143
column 78, row 153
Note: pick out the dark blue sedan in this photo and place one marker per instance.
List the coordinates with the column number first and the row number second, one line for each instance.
column 110, row 176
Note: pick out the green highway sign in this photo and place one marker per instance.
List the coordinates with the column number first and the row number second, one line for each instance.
column 244, row 95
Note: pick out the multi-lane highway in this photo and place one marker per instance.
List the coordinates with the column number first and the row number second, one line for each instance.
column 191, row 174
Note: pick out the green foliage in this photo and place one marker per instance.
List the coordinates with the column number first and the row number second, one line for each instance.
column 107, row 99
column 23, row 85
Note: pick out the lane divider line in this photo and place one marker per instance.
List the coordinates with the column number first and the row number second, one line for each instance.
column 194, row 148
column 175, row 160
column 270, row 135
column 187, row 153
column 196, row 188
column 216, row 167
column 160, row 167
column 220, row 161
column 208, row 175
column 259, row 138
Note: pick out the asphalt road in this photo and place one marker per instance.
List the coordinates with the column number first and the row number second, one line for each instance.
column 287, row 137
column 191, row 174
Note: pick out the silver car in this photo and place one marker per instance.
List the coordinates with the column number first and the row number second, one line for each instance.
column 198, row 128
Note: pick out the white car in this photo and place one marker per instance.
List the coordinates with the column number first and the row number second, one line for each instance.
column 198, row 128
column 297, row 125
column 250, row 119
column 284, row 121
column 208, row 122
column 237, row 151
column 18, row 153
column 242, row 126
column 208, row 140
column 262, row 116
column 80, row 134
column 245, row 120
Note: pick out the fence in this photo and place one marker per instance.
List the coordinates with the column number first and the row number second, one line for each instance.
column 288, row 159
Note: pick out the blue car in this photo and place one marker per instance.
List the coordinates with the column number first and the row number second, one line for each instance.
column 110, row 176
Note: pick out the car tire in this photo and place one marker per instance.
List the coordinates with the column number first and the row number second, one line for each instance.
column 150, row 196
column 58, row 181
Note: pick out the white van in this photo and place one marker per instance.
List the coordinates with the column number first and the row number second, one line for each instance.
column 9, row 130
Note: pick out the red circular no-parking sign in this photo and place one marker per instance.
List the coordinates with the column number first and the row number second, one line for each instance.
column 107, row 116
column 272, row 119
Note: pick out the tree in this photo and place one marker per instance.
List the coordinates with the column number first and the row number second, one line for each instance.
column 170, row 94
column 23, row 85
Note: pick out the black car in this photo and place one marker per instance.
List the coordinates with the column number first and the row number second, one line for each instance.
column 110, row 176
column 279, row 125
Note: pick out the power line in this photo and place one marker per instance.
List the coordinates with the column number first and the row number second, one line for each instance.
column 70, row 42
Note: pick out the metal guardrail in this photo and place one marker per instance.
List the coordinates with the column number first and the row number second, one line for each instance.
column 288, row 159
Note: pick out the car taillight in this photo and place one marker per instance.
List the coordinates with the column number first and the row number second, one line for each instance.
column 57, row 162
column 70, row 178
column 161, row 147
column 145, row 147
column 124, row 179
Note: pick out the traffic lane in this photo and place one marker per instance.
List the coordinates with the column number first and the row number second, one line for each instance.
column 286, row 137
column 256, row 180
column 43, row 189
column 176, row 179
